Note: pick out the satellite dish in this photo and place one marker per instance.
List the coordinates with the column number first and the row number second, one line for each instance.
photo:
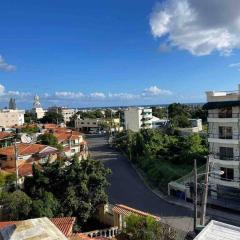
column 26, row 139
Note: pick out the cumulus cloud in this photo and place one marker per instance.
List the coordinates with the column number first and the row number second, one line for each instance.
column 155, row 91
column 4, row 66
column 62, row 97
column 200, row 27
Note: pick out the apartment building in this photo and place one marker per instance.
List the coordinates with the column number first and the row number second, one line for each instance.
column 137, row 118
column 66, row 112
column 87, row 124
column 11, row 117
column 223, row 137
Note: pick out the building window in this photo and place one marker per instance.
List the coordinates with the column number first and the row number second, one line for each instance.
column 228, row 174
column 225, row 112
column 225, row 132
column 226, row 153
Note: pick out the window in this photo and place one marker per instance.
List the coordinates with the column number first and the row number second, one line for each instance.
column 225, row 112
column 228, row 174
column 226, row 153
column 225, row 132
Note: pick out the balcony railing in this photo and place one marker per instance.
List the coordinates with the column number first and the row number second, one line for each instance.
column 235, row 136
column 224, row 157
column 224, row 115
column 146, row 118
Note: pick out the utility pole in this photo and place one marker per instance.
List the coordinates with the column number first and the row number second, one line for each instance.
column 205, row 195
column 195, row 196
column 16, row 161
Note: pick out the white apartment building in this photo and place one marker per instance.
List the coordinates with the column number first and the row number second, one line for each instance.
column 10, row 117
column 224, row 139
column 66, row 112
column 137, row 118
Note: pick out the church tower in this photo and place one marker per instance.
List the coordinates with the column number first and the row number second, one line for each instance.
column 37, row 108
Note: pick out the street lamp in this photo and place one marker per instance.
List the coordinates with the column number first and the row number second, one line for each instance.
column 205, row 193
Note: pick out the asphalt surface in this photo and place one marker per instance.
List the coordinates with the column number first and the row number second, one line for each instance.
column 128, row 188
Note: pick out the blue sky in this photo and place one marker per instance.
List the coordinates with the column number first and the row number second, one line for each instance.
column 97, row 53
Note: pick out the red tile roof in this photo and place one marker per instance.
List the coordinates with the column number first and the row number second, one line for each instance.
column 63, row 136
column 23, row 149
column 125, row 210
column 64, row 224
column 4, row 135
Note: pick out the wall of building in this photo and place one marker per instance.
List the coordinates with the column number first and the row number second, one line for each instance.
column 9, row 118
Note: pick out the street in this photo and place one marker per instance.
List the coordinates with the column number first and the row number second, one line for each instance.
column 127, row 187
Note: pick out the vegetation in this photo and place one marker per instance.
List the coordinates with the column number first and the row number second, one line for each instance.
column 59, row 190
column 52, row 117
column 30, row 117
column 29, row 129
column 91, row 114
column 146, row 228
column 162, row 157
column 50, row 140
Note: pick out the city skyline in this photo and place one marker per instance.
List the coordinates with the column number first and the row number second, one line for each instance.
column 117, row 53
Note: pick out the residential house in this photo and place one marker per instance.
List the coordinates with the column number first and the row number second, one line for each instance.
column 72, row 142
column 6, row 139
column 67, row 113
column 88, row 124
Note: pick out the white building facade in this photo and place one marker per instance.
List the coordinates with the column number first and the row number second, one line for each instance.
column 137, row 118
column 37, row 108
column 10, row 117
column 224, row 139
column 67, row 113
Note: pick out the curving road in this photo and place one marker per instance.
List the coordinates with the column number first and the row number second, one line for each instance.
column 127, row 187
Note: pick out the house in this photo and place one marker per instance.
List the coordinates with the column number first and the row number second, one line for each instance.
column 67, row 113
column 61, row 228
column 87, row 124
column 27, row 153
column 6, row 139
column 218, row 231
column 72, row 142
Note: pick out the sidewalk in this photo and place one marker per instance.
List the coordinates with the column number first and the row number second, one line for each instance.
column 215, row 214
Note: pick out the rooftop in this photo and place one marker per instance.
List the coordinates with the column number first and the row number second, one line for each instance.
column 219, row 231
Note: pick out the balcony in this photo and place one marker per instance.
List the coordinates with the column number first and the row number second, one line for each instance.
column 146, row 119
column 225, row 139
column 224, row 160
column 224, row 182
column 224, row 117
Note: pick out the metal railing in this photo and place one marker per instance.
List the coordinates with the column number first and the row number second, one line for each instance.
column 224, row 115
column 224, row 157
column 235, row 136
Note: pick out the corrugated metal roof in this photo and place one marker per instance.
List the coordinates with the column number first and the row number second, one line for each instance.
column 219, row 231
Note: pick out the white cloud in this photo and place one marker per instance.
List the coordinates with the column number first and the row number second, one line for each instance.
column 2, row 89
column 155, row 91
column 4, row 66
column 198, row 26
column 97, row 95
column 235, row 65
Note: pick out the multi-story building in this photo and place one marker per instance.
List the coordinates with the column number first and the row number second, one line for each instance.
column 223, row 137
column 10, row 117
column 137, row 118
column 88, row 124
column 66, row 112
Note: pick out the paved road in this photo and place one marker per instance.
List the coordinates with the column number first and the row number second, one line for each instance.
column 127, row 187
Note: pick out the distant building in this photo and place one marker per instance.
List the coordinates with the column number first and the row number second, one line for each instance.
column 88, row 124
column 137, row 118
column 66, row 112
column 196, row 127
column 10, row 117
column 37, row 108
column 159, row 123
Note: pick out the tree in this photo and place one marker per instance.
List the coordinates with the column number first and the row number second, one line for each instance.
column 147, row 228
column 52, row 117
column 30, row 129
column 30, row 117
column 79, row 188
column 50, row 139
column 16, row 205
column 91, row 114
column 47, row 206
column 159, row 112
